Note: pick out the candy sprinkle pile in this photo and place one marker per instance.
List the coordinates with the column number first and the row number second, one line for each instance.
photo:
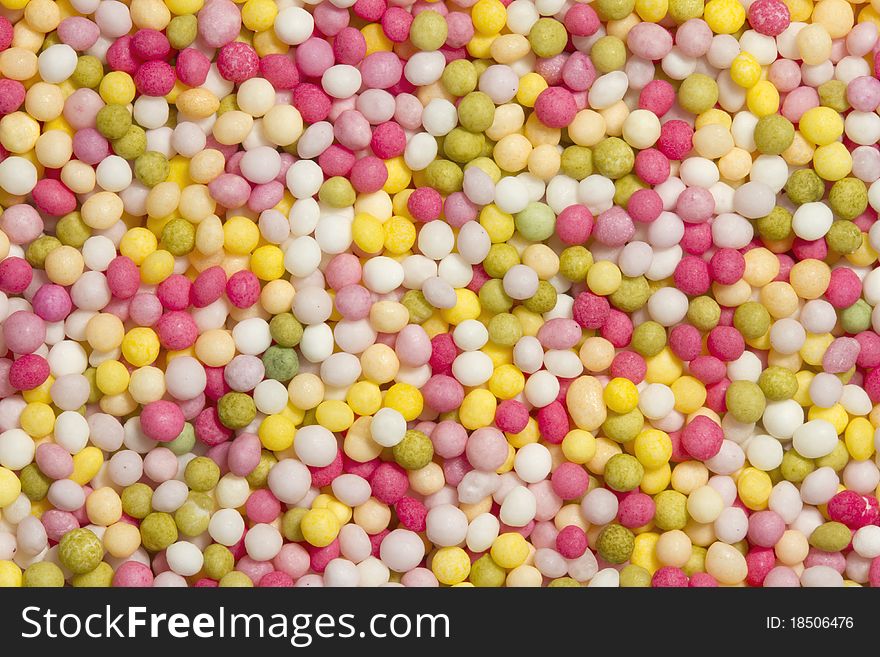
column 460, row 293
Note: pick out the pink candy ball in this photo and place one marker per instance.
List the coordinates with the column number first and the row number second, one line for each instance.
column 675, row 139
column 389, row 483
column 28, row 372
column 24, row 332
column 177, row 330
column 15, row 275
column 691, row 276
column 21, row 222
column 769, row 17
column 148, row 44
column 652, row 166
column 155, row 78
column 581, row 20
column 571, row 542
column 243, row 289
column 649, row 41
column 486, row 449
column 555, row 107
column 192, row 67
column 219, row 22
column 133, row 574
column 668, row 577
column 702, row 438
column 574, row 224
column 162, row 420
column 570, row 481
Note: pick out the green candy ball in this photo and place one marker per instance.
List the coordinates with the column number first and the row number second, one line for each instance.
column 564, row 583
column 833, row 94
column 698, row 93
column 137, row 500
column 625, row 187
column 179, row 237
column 544, row 300
column 844, row 237
column 493, row 298
column 856, row 318
column 684, row 10
column 132, row 144
column 99, row 578
column 837, row 459
column 704, row 313
column 623, row 473
column 804, row 186
column 624, row 427
column 193, row 516
column 428, row 31
column 613, row 158
column 34, row 483
column 505, row 329
column 848, row 198
column 794, row 467
column 500, row 259
column 577, row 162
column 291, row 523
column 236, row 580
column 697, row 561
column 778, row 383
column 43, row 574
column 671, row 510
column 201, row 474
column 236, row 410
column 228, row 104
column 444, row 176
column 72, row 230
column 548, row 37
column 615, row 543
column 414, row 452
column 113, row 121
column 286, row 330
column 151, row 168
column 280, row 363
column 536, row 222
column 648, row 339
column 337, row 192
column 88, row 73
column 632, row 294
column 184, row 442
column 773, row 134
column 485, row 573
column 182, row 31
column 745, row 401
column 158, row 531
column 462, row 145
column 40, row 248
column 218, row 561
column 632, row 576
column 574, row 263
column 259, row 475
column 614, row 10
column 608, row 54
column 476, row 111
column 752, row 320
column 831, row 537
column 460, row 78
column 420, row 311
column 80, row 551
column 776, row 225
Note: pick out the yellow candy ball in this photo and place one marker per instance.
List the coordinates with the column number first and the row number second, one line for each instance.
column 451, row 565
column 319, row 527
